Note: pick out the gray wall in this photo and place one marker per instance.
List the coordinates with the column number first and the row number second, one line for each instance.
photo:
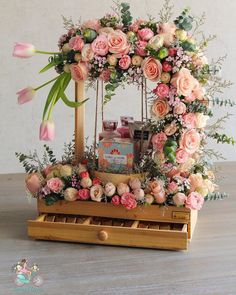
column 39, row 22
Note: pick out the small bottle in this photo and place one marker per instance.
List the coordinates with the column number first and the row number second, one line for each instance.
column 109, row 130
column 124, row 129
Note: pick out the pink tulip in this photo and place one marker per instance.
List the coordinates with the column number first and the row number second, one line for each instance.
column 25, row 95
column 47, row 131
column 24, row 50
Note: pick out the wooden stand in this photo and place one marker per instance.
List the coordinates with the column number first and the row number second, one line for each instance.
column 103, row 223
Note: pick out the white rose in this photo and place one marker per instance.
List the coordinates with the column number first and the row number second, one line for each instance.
column 156, row 42
column 96, row 192
column 110, row 189
column 201, row 120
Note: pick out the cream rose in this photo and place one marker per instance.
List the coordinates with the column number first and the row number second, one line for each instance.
column 86, row 182
column 152, row 69
column 160, row 108
column 122, row 188
column 87, row 53
column 110, row 189
column 201, row 120
column 70, row 194
column 96, row 192
column 190, row 141
column 79, row 71
column 170, row 129
column 156, row 42
column 184, row 82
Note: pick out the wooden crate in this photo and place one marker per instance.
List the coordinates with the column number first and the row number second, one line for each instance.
column 103, row 223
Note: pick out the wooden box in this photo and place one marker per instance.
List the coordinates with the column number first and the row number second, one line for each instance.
column 103, row 223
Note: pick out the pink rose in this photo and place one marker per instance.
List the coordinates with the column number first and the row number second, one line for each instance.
column 76, row 43
column 122, row 188
column 24, row 50
column 135, row 183
column 181, row 156
column 96, row 192
column 134, row 27
column 145, row 34
column 25, row 95
column 190, row 141
column 105, row 75
column 139, row 194
column 79, row 71
column 152, row 69
column 93, row 24
column 194, row 201
column 100, row 45
column 83, row 194
column 184, row 82
column 96, row 181
column 55, row 184
column 172, row 187
column 162, row 90
column 198, row 91
column 140, row 48
column 166, row 66
column 180, row 108
column 118, row 43
column 189, row 120
column 84, row 174
column 87, row 53
column 128, row 201
column 160, row 108
column 125, row 62
column 33, row 183
column 158, row 141
column 155, row 186
column 115, row 200
column 179, row 199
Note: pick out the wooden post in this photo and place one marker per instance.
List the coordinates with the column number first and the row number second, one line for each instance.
column 79, row 121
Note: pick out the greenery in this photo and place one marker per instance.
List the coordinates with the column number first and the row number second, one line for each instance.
column 222, row 138
column 166, row 12
column 216, row 196
column 184, row 21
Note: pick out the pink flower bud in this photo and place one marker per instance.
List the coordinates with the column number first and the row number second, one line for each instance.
column 23, row 50
column 25, row 95
column 47, row 131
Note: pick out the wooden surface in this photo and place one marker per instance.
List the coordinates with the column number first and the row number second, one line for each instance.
column 209, row 267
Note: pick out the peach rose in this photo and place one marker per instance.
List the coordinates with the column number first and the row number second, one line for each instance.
column 145, row 34
column 70, row 194
column 167, row 28
column 160, row 197
column 122, row 188
column 195, row 181
column 179, row 199
column 190, row 141
column 152, row 69
column 155, row 186
column 184, row 82
column 160, row 108
column 100, row 45
column 96, row 192
column 194, row 201
column 198, row 91
column 180, row 108
column 125, row 62
column 79, row 71
column 135, row 183
column 181, row 156
column 33, row 183
column 55, row 184
column 170, row 129
column 87, row 53
column 118, row 43
column 189, row 120
column 76, row 43
column 158, row 141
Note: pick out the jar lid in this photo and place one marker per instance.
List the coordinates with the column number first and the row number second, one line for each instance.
column 125, row 120
column 109, row 125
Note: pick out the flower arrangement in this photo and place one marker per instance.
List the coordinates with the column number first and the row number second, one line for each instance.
column 118, row 50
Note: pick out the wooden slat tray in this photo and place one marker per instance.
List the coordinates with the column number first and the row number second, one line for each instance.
column 109, row 231
column 171, row 214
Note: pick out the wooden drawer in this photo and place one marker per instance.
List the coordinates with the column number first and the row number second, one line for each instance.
column 109, row 231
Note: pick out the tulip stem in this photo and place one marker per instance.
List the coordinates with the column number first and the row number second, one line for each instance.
column 46, row 52
column 48, row 82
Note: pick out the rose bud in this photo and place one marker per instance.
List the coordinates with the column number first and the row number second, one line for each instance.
column 166, row 66
column 165, row 77
column 172, row 52
column 25, row 95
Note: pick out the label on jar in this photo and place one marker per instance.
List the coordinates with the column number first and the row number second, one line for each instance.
column 115, row 159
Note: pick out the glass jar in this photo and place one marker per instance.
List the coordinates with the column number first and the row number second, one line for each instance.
column 109, row 130
column 124, row 129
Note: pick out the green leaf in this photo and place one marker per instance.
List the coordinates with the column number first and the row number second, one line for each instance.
column 69, row 103
column 50, row 65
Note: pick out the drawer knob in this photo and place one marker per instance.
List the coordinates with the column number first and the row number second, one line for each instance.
column 103, row 235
